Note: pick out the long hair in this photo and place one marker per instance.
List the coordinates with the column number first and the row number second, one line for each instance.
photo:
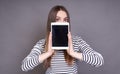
column 51, row 18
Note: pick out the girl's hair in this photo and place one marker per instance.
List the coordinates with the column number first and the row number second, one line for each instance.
column 52, row 18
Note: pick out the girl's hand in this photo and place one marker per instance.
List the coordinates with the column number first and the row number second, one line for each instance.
column 70, row 50
column 50, row 50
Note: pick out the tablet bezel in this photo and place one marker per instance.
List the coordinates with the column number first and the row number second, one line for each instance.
column 58, row 24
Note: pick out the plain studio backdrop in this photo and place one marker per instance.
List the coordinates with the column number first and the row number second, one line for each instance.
column 23, row 23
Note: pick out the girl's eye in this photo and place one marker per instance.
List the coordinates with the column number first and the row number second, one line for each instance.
column 66, row 19
column 56, row 19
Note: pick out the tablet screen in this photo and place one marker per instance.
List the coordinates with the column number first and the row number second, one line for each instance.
column 59, row 36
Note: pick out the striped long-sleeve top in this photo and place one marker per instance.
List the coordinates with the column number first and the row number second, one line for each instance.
column 58, row 63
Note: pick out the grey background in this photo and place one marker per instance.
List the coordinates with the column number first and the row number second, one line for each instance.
column 23, row 23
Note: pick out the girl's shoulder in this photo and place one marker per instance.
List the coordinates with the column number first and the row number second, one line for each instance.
column 76, row 38
column 41, row 41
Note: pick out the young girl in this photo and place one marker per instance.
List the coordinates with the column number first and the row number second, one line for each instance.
column 61, row 61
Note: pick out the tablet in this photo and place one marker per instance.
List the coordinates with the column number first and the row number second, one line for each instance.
column 59, row 35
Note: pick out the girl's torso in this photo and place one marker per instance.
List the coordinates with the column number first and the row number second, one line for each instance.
column 59, row 65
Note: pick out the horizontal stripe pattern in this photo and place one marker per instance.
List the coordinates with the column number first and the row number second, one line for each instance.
column 58, row 63
column 89, row 55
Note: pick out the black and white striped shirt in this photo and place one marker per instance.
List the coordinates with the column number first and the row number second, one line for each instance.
column 58, row 63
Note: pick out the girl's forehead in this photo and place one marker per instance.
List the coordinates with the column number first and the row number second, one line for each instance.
column 61, row 14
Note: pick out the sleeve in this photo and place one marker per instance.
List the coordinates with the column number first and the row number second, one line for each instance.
column 32, row 60
column 89, row 55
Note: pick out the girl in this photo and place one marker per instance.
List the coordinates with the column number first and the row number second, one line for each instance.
column 61, row 61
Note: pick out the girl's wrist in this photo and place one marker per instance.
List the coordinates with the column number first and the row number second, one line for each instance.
column 77, row 55
column 49, row 52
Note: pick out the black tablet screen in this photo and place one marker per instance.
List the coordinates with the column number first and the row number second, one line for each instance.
column 59, row 35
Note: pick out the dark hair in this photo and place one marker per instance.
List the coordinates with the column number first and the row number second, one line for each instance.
column 52, row 18
column 52, row 15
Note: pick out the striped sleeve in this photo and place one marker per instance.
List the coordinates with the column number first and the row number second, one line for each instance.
column 89, row 55
column 31, row 60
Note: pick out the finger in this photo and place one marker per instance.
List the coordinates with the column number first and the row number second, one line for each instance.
column 50, row 40
column 70, row 40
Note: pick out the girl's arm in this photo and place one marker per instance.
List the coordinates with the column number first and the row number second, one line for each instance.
column 36, row 56
column 86, row 53
column 32, row 60
column 89, row 55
